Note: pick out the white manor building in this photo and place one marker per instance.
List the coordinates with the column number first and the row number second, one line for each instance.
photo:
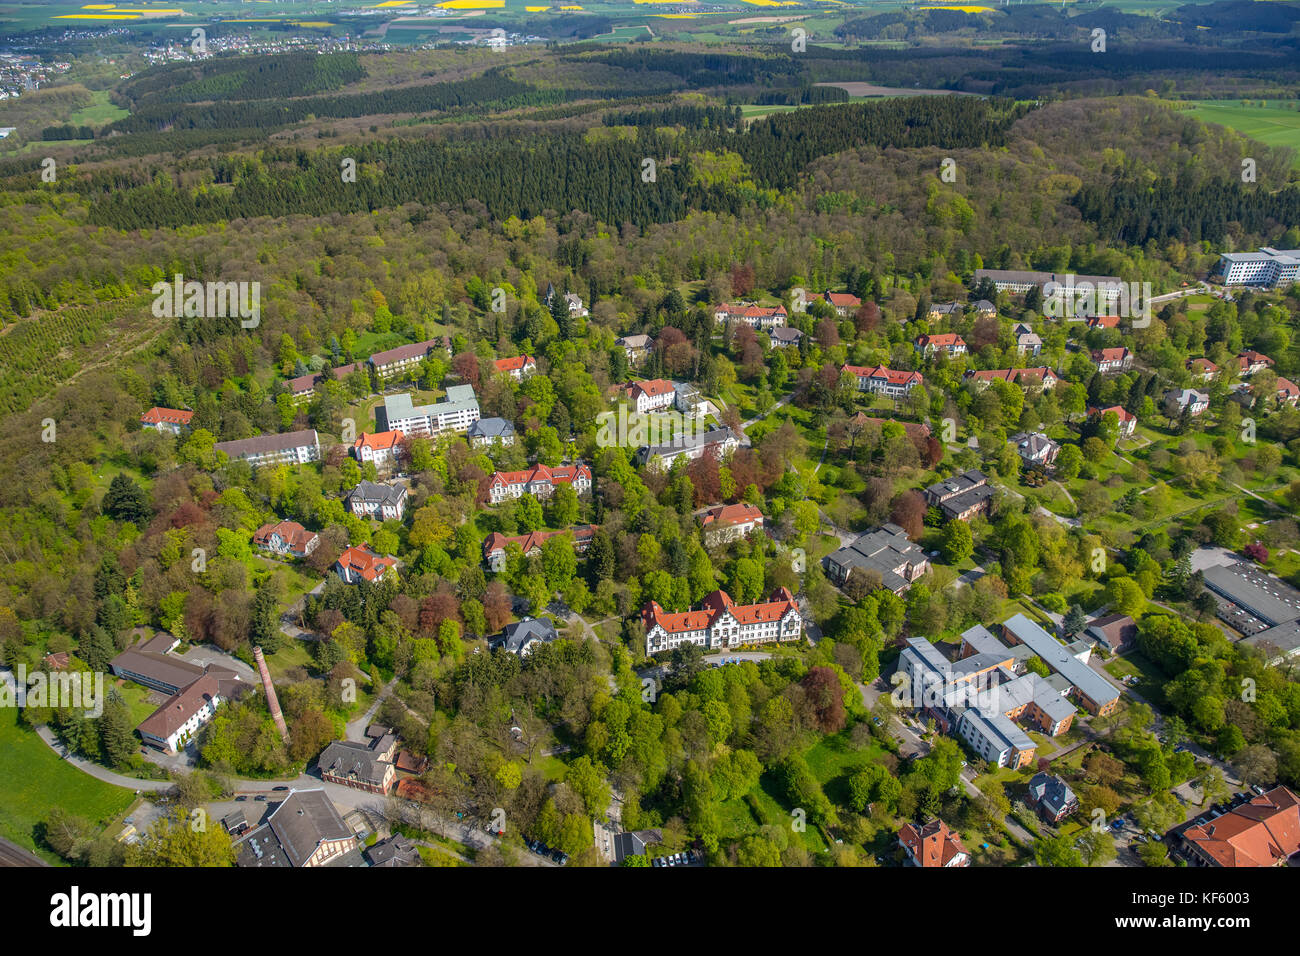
column 722, row 623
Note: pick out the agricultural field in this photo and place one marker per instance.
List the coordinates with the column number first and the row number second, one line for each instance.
column 1274, row 122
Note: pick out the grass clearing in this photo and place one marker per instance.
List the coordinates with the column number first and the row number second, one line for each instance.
column 35, row 780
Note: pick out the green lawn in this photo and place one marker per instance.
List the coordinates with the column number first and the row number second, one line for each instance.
column 35, row 780
column 1275, row 122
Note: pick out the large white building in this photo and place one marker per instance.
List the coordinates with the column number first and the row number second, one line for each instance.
column 722, row 623
column 291, row 448
column 1267, row 268
column 538, row 481
column 456, row 413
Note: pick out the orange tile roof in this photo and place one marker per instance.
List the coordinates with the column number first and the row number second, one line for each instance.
column 731, row 514
column 1109, row 355
column 713, row 606
column 1123, row 414
column 173, row 416
column 365, row 562
column 1264, row 831
column 651, row 387
column 560, row 474
column 1103, row 322
column 842, row 298
column 941, row 339
column 379, row 441
column 932, row 844
column 889, row 374
column 1040, row 372
column 514, row 364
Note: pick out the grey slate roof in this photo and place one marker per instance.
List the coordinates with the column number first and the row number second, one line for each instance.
column 491, row 428
column 346, row 759
column 303, row 821
column 395, row 851
column 517, row 635
column 379, row 493
column 1088, row 681
column 1051, row 791
column 881, row 550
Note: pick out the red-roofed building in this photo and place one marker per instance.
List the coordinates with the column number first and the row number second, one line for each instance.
column 380, row 447
column 360, row 563
column 949, row 342
column 883, row 381
column 652, row 394
column 728, row 523
column 722, row 623
column 538, row 481
column 1103, row 322
column 843, row 303
column 286, row 537
column 1263, row 831
column 1127, row 420
column 1249, row 362
column 756, row 317
column 518, row 368
column 932, row 845
column 174, row 420
column 1288, row 393
column 1112, row 360
column 1203, row 368
column 494, row 548
column 1041, row 377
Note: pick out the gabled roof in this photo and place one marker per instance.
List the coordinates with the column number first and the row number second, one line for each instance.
column 346, row 759
column 727, row 515
column 714, row 606
column 497, row 541
column 260, row 444
column 889, row 375
column 651, row 388
column 932, row 844
column 293, row 534
column 1110, row 355
column 1120, row 412
column 560, row 474
column 404, row 352
column 842, row 299
column 514, row 364
column 180, row 707
column 370, row 491
column 491, row 428
column 1264, row 831
column 940, row 340
column 303, row 821
column 361, row 560
column 379, row 441
column 172, row 416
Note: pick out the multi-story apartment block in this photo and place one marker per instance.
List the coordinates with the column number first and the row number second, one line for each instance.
column 1267, row 268
column 651, row 395
column 843, row 303
column 961, row 497
column 405, row 359
column 722, row 623
column 538, row 481
column 289, row 448
column 456, row 413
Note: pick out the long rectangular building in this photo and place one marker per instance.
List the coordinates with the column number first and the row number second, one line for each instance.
column 289, row 448
column 1096, row 694
column 456, row 413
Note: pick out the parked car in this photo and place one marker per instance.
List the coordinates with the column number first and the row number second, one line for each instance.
column 260, row 796
column 277, row 789
column 240, row 799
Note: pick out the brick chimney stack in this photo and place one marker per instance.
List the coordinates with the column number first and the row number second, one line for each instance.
column 272, row 702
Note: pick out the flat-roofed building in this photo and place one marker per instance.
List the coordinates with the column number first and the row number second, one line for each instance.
column 457, row 412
